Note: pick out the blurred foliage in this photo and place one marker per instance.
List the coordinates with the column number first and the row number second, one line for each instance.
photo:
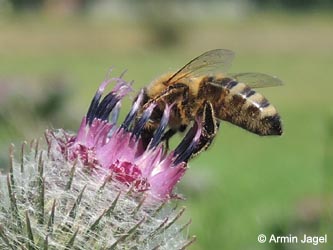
column 312, row 215
column 74, row 6
column 326, row 221
column 162, row 11
column 299, row 5
column 27, row 111
column 24, row 5
column 162, row 20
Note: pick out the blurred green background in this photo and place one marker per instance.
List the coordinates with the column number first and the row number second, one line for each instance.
column 54, row 54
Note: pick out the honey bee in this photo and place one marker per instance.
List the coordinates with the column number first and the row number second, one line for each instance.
column 202, row 89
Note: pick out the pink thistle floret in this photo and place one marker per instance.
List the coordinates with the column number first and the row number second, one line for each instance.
column 102, row 145
column 148, row 170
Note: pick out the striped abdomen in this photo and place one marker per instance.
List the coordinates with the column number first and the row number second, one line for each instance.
column 237, row 103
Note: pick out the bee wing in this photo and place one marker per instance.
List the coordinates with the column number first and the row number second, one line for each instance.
column 208, row 62
column 256, row 80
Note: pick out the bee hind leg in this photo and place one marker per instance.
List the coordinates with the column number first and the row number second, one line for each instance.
column 199, row 136
column 210, row 127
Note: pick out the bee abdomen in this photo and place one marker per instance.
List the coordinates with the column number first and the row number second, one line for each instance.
column 246, row 108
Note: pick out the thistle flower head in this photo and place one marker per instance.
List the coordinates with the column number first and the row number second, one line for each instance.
column 100, row 143
column 97, row 189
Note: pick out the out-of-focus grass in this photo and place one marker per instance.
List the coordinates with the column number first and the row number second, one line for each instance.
column 244, row 185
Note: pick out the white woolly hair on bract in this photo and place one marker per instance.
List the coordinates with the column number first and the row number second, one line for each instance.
column 48, row 202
